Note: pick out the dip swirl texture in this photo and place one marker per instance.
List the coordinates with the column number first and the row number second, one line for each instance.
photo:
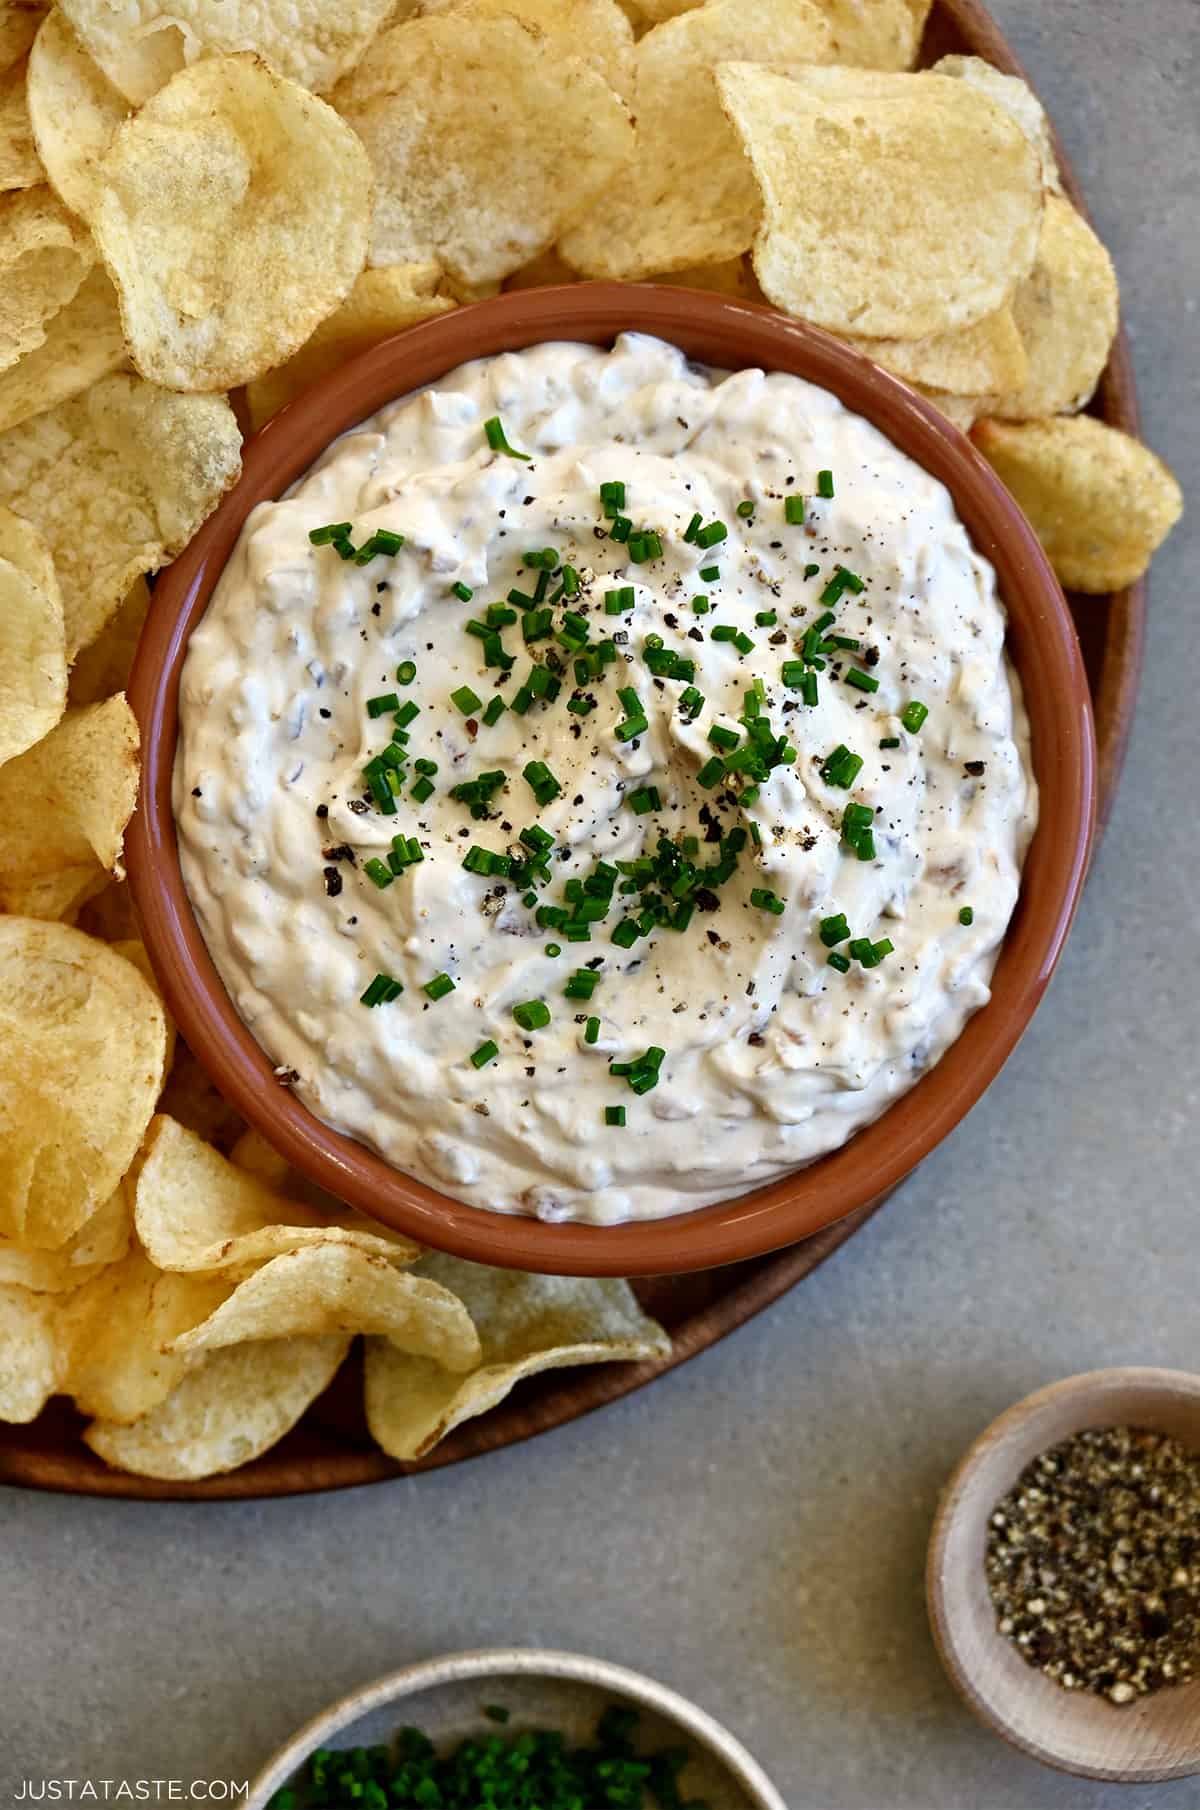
column 772, row 1057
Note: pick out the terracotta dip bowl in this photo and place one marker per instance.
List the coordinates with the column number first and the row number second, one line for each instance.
column 1043, row 646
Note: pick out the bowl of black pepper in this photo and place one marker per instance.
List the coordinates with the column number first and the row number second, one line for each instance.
column 1063, row 1580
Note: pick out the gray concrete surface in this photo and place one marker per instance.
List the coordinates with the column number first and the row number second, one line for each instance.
column 752, row 1529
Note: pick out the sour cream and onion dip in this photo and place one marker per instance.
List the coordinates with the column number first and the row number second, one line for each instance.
column 730, row 859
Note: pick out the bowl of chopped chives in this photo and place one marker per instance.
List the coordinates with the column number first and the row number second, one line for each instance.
column 483, row 1728
column 778, row 1188
column 1063, row 1579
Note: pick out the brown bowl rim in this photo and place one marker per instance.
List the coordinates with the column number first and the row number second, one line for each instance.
column 1044, row 648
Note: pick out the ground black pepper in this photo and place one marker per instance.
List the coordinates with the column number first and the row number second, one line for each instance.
column 1093, row 1563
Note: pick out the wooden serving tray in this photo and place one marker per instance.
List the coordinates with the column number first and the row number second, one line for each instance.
column 331, row 1449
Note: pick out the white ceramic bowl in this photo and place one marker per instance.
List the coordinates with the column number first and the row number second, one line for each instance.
column 566, row 1691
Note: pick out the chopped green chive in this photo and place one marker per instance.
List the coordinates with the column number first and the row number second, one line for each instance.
column 711, row 772
column 591, row 1030
column 614, row 1115
column 841, row 768
column 439, row 986
column 382, row 990
column 645, row 799
column 462, row 591
column 840, row 962
column 384, row 703
column 766, row 900
column 582, row 984
column 793, row 510
column 862, row 681
column 913, row 715
column 378, row 872
column 745, row 509
column 541, row 781
column 723, row 738
column 332, row 531
column 890, row 741
column 533, row 1015
column 689, row 533
column 487, row 1052
column 811, row 571
column 711, row 534
column 644, row 547
column 466, row 699
column 825, row 483
column 407, row 713
column 406, row 672
column 834, row 930
column 494, row 432
column 494, row 711
column 966, row 915
column 616, row 602
column 422, row 789
column 743, row 643
column 766, row 618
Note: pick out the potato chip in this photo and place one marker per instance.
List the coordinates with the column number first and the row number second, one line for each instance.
column 990, row 355
column 103, row 668
column 895, row 206
column 1017, row 98
column 109, row 914
column 45, row 253
column 140, row 44
column 196, row 1211
column 1066, row 313
column 18, row 28
column 134, row 950
column 595, row 31
column 30, row 1353
column 691, row 197
column 116, row 1329
column 22, row 545
column 117, row 480
column 335, row 1288
column 234, row 1406
column 474, row 128
column 82, row 1045
column 526, row 1324
column 875, row 34
column 232, row 212
column 962, row 411
column 65, row 802
column 382, row 302
column 74, row 110
column 261, row 1160
column 83, row 343
column 20, row 165
column 100, row 1240
column 33, row 662
column 1099, row 501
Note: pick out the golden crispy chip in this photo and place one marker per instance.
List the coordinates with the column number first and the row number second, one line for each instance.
column 116, row 1329
column 963, row 411
column 20, row 165
column 140, row 44
column 31, row 1357
column 83, row 343
column 22, row 545
column 196, row 1211
column 335, row 1288
column 134, row 950
column 653, row 12
column 100, row 1240
column 232, row 212
column 1066, row 313
column 382, row 302
column 104, row 667
column 595, row 31
column 987, row 356
column 691, row 197
column 260, row 1159
column 875, row 34
column 1017, row 98
column 65, row 802
column 74, row 110
column 18, row 28
column 895, row 206
column 117, row 480
column 227, row 1411
column 1099, row 501
column 474, row 127
column 45, row 253
column 33, row 647
column 82, row 1043
column 526, row 1324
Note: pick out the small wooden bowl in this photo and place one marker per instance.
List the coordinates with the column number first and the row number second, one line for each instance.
column 1156, row 1737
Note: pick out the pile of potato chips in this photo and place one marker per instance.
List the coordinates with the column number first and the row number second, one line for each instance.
column 204, row 209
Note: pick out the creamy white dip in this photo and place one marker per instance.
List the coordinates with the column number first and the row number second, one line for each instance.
column 772, row 1056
